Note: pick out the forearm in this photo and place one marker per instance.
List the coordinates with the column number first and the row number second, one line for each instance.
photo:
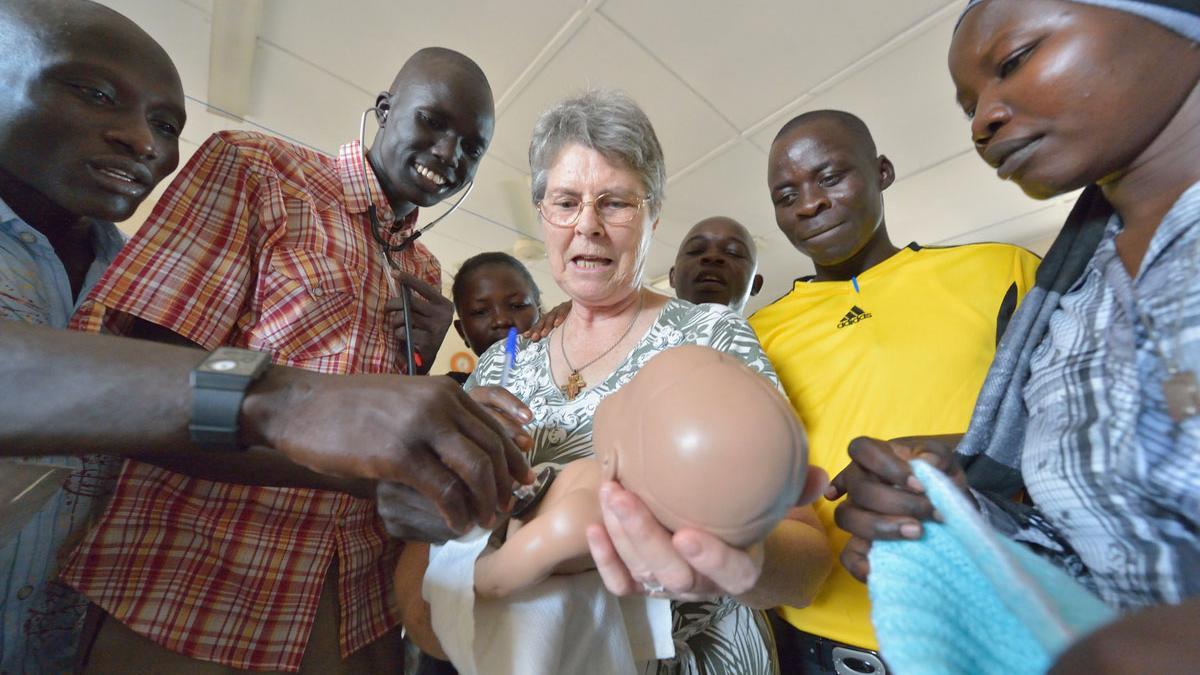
column 67, row 393
column 63, row 392
column 259, row 466
column 796, row 561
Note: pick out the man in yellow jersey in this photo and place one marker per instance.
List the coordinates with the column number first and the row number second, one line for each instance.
column 881, row 341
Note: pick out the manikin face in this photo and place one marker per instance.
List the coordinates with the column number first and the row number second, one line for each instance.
column 1060, row 94
column 594, row 263
column 93, row 122
column 827, row 189
column 494, row 299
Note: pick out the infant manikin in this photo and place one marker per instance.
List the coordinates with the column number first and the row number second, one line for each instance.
column 703, row 440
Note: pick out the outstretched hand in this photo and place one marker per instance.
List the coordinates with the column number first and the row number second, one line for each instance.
column 636, row 555
column 421, row 432
column 884, row 500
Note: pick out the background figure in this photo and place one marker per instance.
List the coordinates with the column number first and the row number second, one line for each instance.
column 493, row 292
column 881, row 340
column 717, row 262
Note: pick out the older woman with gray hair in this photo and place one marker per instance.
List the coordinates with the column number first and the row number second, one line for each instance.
column 598, row 183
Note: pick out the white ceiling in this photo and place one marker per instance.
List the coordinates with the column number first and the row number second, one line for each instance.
column 717, row 78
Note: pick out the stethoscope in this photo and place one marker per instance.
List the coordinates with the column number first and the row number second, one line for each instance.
column 390, row 249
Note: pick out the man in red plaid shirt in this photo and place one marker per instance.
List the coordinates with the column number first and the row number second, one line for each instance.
column 262, row 244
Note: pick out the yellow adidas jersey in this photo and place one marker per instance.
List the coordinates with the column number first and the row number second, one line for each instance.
column 904, row 353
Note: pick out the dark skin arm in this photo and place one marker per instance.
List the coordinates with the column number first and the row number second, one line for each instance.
column 63, row 392
column 431, row 314
column 256, row 466
column 883, row 498
column 1163, row 640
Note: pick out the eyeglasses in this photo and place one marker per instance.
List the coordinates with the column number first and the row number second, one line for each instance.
column 610, row 209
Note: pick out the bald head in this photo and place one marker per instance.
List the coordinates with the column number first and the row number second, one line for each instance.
column 29, row 30
column 717, row 262
column 440, row 63
column 847, row 121
column 724, row 226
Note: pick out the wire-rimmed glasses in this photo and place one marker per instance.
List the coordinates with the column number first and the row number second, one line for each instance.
column 611, row 209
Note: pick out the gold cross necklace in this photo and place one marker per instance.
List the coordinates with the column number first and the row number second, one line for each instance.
column 575, row 383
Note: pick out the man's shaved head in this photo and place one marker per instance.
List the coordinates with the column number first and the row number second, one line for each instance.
column 725, row 224
column 849, row 121
column 440, row 62
column 717, row 262
column 29, row 29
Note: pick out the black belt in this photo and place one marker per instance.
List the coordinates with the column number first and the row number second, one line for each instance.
column 801, row 652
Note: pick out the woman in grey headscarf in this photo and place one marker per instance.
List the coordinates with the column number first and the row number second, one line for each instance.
column 1093, row 402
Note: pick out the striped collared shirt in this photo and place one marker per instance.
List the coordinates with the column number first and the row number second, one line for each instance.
column 40, row 618
column 1114, row 478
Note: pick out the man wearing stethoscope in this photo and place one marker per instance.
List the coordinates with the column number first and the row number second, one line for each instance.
column 264, row 245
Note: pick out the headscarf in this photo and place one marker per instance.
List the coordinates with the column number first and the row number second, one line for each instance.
column 1180, row 16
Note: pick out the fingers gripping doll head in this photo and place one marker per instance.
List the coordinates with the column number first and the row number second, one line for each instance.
column 705, row 442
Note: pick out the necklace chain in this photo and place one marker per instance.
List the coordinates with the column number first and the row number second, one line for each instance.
column 575, row 382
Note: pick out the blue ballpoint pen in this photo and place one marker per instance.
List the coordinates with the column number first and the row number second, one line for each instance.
column 510, row 355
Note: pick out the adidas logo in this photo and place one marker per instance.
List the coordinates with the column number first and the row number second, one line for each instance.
column 852, row 317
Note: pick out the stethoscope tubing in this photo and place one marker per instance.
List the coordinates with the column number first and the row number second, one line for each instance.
column 390, row 249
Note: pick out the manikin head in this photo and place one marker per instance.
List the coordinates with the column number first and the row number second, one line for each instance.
column 705, row 442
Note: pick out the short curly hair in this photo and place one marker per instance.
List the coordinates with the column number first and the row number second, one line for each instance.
column 609, row 122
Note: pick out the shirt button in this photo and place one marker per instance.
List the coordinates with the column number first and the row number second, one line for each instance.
column 28, row 237
column 318, row 291
column 341, row 522
column 24, row 592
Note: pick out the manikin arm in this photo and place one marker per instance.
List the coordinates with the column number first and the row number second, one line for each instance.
column 553, row 541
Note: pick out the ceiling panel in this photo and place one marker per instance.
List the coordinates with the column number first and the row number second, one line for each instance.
column 501, row 194
column 1040, row 223
column 906, row 99
column 954, row 198
column 732, row 184
column 283, row 101
column 366, row 41
column 599, row 55
column 182, row 29
column 750, row 59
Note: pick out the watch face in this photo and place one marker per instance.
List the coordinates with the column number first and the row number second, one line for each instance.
column 240, row 362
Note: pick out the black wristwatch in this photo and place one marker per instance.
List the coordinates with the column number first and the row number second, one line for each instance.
column 219, row 385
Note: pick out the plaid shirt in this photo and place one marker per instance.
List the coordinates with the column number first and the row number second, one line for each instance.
column 263, row 245
column 1115, row 480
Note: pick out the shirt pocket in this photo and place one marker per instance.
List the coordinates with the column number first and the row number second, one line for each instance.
column 307, row 304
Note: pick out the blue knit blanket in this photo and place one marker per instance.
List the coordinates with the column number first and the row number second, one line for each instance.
column 963, row 599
